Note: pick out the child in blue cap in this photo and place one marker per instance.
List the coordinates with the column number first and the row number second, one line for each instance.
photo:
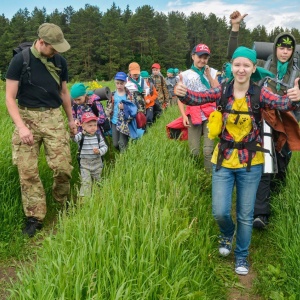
column 114, row 108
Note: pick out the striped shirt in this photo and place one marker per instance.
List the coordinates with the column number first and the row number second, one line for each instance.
column 89, row 143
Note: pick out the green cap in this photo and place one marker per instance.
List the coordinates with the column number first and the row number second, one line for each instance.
column 53, row 35
column 145, row 74
column 171, row 70
column 77, row 90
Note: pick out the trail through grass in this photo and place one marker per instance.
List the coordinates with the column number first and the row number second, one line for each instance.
column 147, row 233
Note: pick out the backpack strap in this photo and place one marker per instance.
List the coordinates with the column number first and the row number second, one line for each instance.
column 80, row 148
column 295, row 71
column 143, row 82
column 25, row 67
column 94, row 109
column 57, row 63
column 26, row 70
column 254, row 103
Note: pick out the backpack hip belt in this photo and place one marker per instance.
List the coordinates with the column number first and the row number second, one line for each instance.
column 250, row 146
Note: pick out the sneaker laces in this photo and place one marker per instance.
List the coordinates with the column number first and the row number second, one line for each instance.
column 225, row 242
column 242, row 262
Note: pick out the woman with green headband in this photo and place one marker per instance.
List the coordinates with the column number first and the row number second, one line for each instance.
column 282, row 59
column 239, row 147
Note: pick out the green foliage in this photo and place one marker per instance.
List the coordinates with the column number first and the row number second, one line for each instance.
column 147, row 232
column 103, row 43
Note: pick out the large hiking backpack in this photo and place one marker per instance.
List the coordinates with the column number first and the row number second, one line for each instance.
column 264, row 51
column 256, row 112
column 26, row 71
column 254, row 103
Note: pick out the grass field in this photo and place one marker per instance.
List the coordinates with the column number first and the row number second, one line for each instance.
column 147, row 232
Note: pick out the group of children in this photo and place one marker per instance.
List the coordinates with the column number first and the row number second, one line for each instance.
column 136, row 93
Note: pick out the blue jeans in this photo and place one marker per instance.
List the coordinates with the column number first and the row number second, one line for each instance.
column 223, row 182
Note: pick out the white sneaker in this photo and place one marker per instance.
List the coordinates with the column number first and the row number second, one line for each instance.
column 225, row 245
column 242, row 266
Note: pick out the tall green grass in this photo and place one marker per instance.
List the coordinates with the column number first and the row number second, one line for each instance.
column 279, row 246
column 147, row 233
column 12, row 241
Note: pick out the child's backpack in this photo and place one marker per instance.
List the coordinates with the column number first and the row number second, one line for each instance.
column 26, row 71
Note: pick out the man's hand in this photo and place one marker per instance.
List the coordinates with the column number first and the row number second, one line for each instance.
column 72, row 127
column 77, row 122
column 294, row 93
column 26, row 135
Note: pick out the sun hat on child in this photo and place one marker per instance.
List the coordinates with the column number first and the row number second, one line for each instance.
column 134, row 68
column 156, row 66
column 78, row 89
column 171, row 70
column 121, row 76
column 87, row 117
column 145, row 74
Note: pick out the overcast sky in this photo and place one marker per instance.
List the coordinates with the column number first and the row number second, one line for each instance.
column 270, row 13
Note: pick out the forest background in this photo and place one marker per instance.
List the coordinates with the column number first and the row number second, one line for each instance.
column 103, row 43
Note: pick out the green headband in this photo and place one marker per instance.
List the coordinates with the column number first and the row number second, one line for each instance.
column 245, row 52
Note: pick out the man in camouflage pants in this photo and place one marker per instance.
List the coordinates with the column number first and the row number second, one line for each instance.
column 39, row 120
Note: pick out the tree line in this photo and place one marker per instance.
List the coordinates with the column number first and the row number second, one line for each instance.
column 103, row 43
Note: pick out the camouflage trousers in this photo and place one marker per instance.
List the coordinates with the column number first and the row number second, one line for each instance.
column 48, row 129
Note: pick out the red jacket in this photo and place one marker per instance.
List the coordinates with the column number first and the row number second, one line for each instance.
column 195, row 112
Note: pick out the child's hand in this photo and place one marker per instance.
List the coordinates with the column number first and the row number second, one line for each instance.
column 77, row 123
column 147, row 101
column 96, row 150
column 121, row 106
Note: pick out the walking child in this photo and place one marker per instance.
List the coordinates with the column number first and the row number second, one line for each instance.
column 171, row 82
column 91, row 147
column 150, row 98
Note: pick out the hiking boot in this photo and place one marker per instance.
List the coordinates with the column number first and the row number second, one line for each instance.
column 260, row 222
column 32, row 225
column 225, row 245
column 241, row 266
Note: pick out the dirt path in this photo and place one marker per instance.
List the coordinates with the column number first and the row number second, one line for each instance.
column 7, row 274
column 244, row 289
